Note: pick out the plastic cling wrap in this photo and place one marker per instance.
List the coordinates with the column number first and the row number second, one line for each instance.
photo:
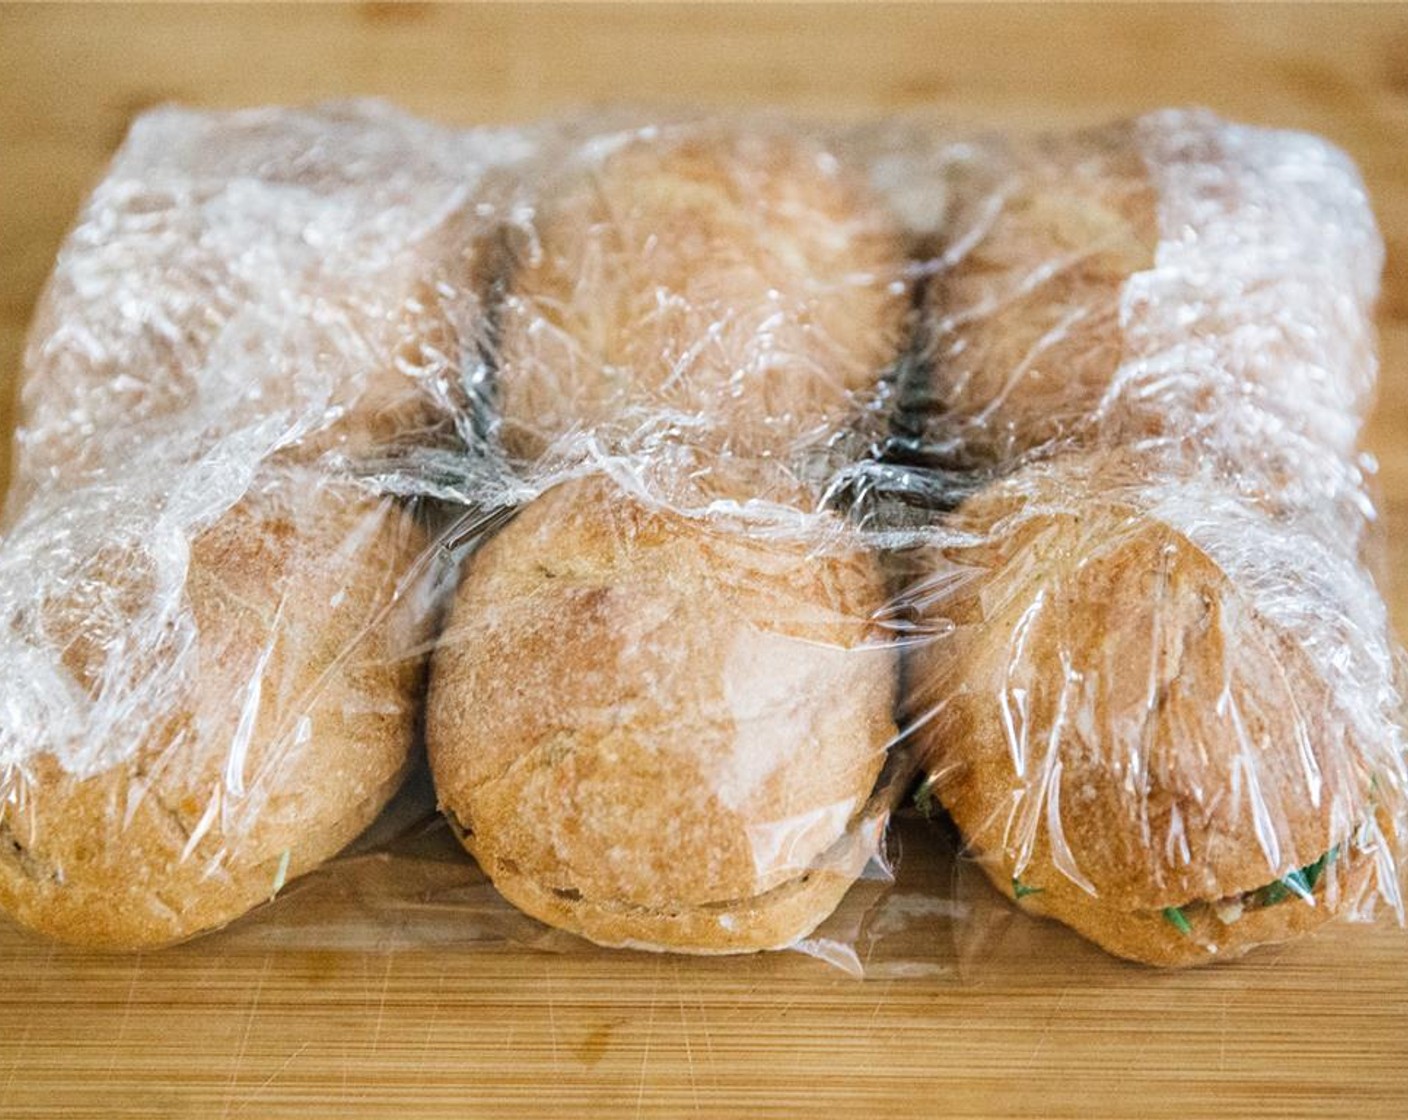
column 213, row 628
column 661, row 505
column 1162, row 707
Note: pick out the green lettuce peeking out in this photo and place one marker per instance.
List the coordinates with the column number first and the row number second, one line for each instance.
column 1300, row 882
column 1174, row 916
column 924, row 798
column 1021, row 890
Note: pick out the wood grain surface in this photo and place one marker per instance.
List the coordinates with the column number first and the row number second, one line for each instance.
column 241, row 1024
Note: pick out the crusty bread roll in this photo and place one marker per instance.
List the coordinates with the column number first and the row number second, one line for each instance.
column 1125, row 720
column 700, row 703
column 1159, row 700
column 213, row 634
column 657, row 729
column 252, row 735
column 727, row 290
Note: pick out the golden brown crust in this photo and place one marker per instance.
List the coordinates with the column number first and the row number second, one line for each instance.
column 726, row 291
column 1028, row 334
column 1112, row 706
column 1122, row 719
column 1116, row 724
column 775, row 919
column 659, row 712
column 236, row 691
column 645, row 722
column 290, row 727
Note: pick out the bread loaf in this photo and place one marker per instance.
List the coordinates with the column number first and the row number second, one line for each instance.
column 1129, row 717
column 213, row 632
column 657, row 729
column 665, row 692
column 245, row 737
column 1161, row 709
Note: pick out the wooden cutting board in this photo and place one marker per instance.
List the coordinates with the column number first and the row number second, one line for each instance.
column 240, row 1024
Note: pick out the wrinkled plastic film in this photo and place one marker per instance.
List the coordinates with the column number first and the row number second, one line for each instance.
column 700, row 492
column 215, row 626
column 691, row 335
column 1167, row 708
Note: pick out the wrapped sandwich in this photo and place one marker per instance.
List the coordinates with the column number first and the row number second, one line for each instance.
column 684, row 488
column 212, row 626
column 1164, row 706
column 665, row 693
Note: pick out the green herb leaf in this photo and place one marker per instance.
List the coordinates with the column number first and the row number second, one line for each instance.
column 1174, row 917
column 1313, row 872
column 1021, row 890
column 1299, row 882
column 924, row 796
column 1272, row 893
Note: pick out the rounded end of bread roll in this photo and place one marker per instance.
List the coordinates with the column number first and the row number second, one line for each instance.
column 1127, row 716
column 775, row 919
column 638, row 713
column 236, row 729
column 97, row 882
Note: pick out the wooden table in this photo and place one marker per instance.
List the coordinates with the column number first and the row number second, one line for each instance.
column 231, row 1026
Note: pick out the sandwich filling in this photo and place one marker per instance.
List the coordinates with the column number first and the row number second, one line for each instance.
column 1300, row 883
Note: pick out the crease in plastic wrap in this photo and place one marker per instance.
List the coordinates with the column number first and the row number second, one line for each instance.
column 660, row 509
